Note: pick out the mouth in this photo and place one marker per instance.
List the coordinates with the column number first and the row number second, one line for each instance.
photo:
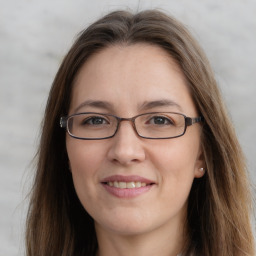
column 131, row 184
column 127, row 186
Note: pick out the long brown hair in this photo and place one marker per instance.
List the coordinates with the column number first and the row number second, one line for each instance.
column 219, row 205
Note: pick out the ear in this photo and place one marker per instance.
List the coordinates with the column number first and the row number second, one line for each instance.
column 199, row 165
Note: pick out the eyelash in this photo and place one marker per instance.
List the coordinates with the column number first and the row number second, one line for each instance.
column 90, row 119
column 162, row 117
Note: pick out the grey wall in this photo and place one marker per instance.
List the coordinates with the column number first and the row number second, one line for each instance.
column 34, row 36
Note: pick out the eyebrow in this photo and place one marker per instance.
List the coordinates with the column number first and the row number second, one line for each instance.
column 96, row 104
column 160, row 103
column 147, row 105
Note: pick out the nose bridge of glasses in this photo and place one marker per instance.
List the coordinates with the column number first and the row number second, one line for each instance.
column 131, row 120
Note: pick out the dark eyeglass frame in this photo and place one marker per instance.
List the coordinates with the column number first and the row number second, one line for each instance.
column 188, row 122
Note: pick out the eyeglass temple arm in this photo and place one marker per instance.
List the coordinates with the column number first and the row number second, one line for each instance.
column 190, row 121
column 63, row 122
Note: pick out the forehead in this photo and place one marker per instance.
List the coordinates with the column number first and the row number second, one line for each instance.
column 127, row 76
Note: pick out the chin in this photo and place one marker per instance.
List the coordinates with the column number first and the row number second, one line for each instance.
column 127, row 223
column 123, row 229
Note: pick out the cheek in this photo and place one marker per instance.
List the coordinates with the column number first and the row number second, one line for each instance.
column 176, row 156
column 84, row 157
column 85, row 161
column 176, row 163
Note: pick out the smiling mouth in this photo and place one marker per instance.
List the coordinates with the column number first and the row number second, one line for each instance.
column 131, row 184
column 123, row 186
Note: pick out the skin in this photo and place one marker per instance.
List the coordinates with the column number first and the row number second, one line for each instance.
column 151, row 223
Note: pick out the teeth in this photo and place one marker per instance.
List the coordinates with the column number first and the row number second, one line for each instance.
column 130, row 185
column 122, row 184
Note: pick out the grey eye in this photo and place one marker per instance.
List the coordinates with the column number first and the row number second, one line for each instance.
column 160, row 120
column 95, row 121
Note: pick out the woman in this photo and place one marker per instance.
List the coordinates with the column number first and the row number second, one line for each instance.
column 145, row 160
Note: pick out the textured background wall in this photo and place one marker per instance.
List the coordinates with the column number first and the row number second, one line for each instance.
column 35, row 35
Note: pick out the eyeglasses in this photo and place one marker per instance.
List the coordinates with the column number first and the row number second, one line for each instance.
column 155, row 125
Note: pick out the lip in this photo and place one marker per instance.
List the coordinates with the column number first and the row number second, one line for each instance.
column 125, row 178
column 127, row 192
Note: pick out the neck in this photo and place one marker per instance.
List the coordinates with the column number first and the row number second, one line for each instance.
column 150, row 244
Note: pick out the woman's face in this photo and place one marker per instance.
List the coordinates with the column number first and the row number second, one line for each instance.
column 127, row 81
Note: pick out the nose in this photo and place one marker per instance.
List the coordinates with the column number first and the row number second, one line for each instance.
column 126, row 147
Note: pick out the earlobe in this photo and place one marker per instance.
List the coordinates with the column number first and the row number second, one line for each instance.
column 199, row 173
column 199, row 167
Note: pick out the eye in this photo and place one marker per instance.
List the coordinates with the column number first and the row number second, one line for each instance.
column 160, row 120
column 95, row 120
